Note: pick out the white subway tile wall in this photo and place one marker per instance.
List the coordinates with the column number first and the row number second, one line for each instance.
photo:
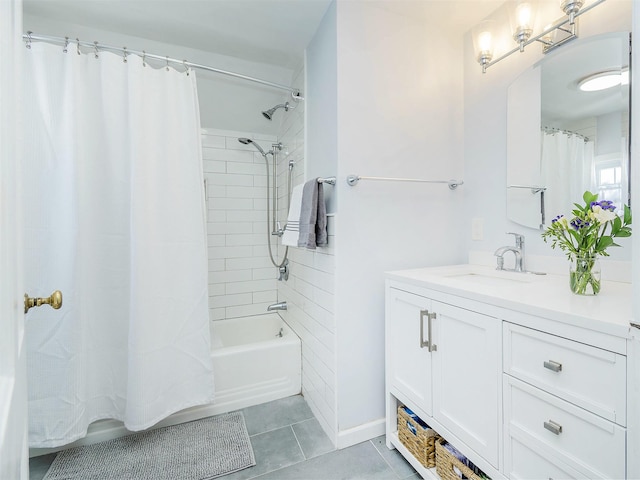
column 309, row 292
column 242, row 280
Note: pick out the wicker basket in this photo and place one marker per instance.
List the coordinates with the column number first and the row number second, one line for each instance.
column 417, row 437
column 445, row 463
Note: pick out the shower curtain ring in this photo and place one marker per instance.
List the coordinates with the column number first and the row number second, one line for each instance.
column 66, row 44
column 29, row 39
column 186, row 69
column 144, row 58
column 124, row 54
column 95, row 48
column 167, row 63
column 78, row 45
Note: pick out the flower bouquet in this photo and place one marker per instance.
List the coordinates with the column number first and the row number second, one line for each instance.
column 591, row 231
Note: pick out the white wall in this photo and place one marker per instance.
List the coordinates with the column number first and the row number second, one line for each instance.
column 485, row 97
column 225, row 102
column 399, row 111
column 322, row 77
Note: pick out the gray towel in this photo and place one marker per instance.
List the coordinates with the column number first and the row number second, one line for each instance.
column 313, row 216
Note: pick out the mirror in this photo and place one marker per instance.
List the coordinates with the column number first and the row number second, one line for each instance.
column 562, row 140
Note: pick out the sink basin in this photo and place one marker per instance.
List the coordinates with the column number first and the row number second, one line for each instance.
column 493, row 279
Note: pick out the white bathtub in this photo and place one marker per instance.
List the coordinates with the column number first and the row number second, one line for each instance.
column 252, row 364
column 255, row 360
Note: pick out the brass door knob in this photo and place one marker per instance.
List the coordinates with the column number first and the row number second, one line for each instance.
column 55, row 300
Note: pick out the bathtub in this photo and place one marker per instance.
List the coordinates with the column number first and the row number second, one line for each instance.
column 255, row 360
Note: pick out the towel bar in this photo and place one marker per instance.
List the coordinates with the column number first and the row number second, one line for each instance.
column 327, row 180
column 354, row 179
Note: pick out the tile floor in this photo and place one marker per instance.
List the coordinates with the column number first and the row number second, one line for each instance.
column 289, row 444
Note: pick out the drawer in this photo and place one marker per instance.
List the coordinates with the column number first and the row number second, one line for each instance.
column 582, row 440
column 590, row 377
column 529, row 462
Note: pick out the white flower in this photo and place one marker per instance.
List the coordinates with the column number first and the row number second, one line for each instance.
column 601, row 215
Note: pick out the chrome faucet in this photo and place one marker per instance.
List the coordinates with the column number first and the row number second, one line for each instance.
column 277, row 306
column 518, row 251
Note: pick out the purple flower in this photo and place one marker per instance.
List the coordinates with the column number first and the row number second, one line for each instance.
column 578, row 223
column 557, row 218
column 604, row 205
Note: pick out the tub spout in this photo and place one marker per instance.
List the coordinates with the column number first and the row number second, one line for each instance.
column 277, row 306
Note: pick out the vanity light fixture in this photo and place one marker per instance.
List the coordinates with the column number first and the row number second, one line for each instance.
column 522, row 18
column 603, row 80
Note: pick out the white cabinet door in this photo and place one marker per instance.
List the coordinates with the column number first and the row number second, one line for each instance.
column 467, row 370
column 408, row 356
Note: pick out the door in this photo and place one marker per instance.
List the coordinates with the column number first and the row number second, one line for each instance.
column 408, row 356
column 467, row 369
column 13, row 378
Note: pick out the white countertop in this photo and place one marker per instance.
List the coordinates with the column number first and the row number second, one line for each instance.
column 547, row 296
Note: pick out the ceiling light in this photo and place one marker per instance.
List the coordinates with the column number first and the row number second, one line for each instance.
column 603, row 80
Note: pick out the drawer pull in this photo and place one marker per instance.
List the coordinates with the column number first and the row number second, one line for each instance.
column 553, row 366
column 553, row 427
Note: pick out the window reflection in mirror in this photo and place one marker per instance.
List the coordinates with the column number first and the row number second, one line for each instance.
column 563, row 140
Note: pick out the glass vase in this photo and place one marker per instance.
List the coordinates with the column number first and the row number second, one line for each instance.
column 584, row 275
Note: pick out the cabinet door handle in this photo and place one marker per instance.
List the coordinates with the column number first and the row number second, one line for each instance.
column 553, row 366
column 553, row 427
column 423, row 313
column 430, row 317
column 429, row 343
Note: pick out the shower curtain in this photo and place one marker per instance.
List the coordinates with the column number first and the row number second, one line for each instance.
column 567, row 171
column 115, row 220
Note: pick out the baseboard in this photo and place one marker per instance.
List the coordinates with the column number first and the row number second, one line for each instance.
column 361, row 433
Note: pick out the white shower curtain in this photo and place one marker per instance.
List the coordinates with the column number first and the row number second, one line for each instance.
column 567, row 171
column 116, row 220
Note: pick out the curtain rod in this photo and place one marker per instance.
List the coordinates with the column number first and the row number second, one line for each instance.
column 66, row 41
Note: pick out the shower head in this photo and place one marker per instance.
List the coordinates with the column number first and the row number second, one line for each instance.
column 247, row 141
column 268, row 114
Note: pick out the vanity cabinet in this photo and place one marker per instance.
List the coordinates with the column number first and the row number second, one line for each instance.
column 444, row 363
column 525, row 389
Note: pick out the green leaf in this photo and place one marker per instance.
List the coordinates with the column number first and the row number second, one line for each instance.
column 616, row 225
column 589, row 197
column 603, row 243
column 623, row 233
column 627, row 215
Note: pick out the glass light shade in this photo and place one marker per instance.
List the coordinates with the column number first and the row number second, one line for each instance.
column 522, row 19
column 571, row 6
column 484, row 41
column 549, row 37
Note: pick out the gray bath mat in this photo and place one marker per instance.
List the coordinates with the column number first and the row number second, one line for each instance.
column 198, row 450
